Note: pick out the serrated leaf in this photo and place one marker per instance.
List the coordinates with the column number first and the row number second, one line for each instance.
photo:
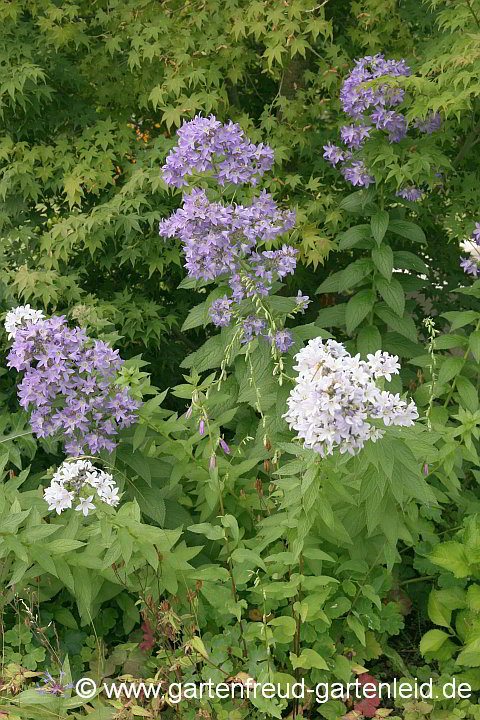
column 357, row 627
column 408, row 230
column 383, row 260
column 369, row 340
column 468, row 393
column 474, row 344
column 358, row 307
column 353, row 236
column 392, row 292
column 432, row 641
column 379, row 224
column 451, row 556
column 450, row 369
column 405, row 326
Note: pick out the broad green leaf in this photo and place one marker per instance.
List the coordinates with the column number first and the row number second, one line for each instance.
column 357, row 627
column 437, row 611
column 353, row 236
column 458, row 319
column 468, row 393
column 308, row 659
column 353, row 274
column 383, row 258
column 249, row 557
column 404, row 260
column 474, row 343
column 408, row 230
column 450, row 369
column 473, row 597
column 358, row 307
column 392, row 292
column 405, row 326
column 369, row 340
column 470, row 655
column 451, row 556
column 379, row 223
column 432, row 641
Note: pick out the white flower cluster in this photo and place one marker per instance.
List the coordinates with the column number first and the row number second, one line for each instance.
column 69, row 481
column 20, row 315
column 336, row 394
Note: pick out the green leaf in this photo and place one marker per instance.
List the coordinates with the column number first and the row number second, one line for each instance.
column 405, row 326
column 474, row 343
column 308, row 659
column 211, row 532
column 331, row 316
column 354, row 235
column 358, row 307
column 369, row 340
column 357, row 627
column 392, row 292
column 353, row 274
column 379, row 223
column 468, row 393
column 451, row 556
column 62, row 546
column 65, row 617
column 437, row 611
column 357, row 201
column 458, row 319
column 248, row 557
column 195, row 317
column 473, row 598
column 450, row 369
column 408, row 230
column 383, row 259
column 470, row 655
column 404, row 260
column 432, row 641
column 446, row 342
column 330, row 284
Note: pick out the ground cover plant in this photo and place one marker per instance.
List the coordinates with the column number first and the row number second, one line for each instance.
column 241, row 359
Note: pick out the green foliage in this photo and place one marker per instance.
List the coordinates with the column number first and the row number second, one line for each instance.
column 261, row 562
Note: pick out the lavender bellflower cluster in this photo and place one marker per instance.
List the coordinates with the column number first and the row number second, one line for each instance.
column 68, row 383
column 226, row 239
column 207, row 145
column 471, row 265
column 80, row 482
column 216, row 237
column 372, row 108
column 336, row 394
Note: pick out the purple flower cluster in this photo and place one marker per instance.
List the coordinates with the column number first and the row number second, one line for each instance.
column 410, row 193
column 221, row 239
column 207, row 145
column 372, row 107
column 471, row 265
column 69, row 381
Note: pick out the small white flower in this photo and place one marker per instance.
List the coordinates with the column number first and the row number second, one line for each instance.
column 71, row 477
column 109, row 495
column 59, row 499
column 336, row 393
column 85, row 504
column 20, row 316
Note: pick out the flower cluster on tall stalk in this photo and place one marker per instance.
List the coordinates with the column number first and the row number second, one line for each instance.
column 225, row 240
column 336, row 395
column 68, row 382
column 372, row 109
